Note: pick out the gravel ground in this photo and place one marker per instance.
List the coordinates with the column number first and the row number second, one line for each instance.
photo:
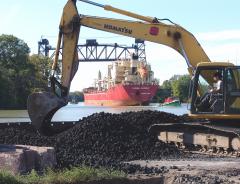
column 110, row 140
column 193, row 170
column 101, row 139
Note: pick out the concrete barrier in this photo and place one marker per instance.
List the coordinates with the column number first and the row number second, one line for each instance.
column 22, row 158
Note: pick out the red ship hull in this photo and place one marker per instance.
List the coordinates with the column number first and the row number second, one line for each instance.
column 122, row 95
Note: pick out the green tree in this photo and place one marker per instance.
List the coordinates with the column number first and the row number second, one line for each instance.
column 180, row 87
column 15, row 72
column 41, row 72
column 13, row 52
column 166, row 85
column 5, row 86
column 165, row 89
column 20, row 74
column 76, row 96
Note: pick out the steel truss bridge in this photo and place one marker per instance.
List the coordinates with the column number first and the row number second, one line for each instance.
column 92, row 51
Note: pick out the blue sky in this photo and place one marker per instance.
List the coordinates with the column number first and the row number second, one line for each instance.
column 215, row 23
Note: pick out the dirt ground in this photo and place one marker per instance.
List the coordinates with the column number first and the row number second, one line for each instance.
column 198, row 169
column 195, row 169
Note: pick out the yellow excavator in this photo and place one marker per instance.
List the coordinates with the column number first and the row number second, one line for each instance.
column 218, row 131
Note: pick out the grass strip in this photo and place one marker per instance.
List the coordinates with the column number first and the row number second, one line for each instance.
column 65, row 176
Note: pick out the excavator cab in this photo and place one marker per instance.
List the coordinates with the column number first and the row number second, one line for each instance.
column 224, row 102
column 216, row 127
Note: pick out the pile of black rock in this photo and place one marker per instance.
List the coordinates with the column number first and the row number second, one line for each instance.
column 102, row 139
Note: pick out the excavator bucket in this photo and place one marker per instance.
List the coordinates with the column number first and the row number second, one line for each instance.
column 41, row 108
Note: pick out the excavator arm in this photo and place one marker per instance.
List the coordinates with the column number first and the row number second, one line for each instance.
column 43, row 105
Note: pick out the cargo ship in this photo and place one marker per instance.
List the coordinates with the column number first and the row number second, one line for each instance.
column 129, row 82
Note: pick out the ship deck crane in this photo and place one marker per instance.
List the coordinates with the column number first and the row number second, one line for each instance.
column 226, row 109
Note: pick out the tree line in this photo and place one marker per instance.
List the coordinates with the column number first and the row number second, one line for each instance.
column 20, row 72
column 177, row 86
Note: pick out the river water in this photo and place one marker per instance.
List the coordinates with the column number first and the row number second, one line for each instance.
column 74, row 112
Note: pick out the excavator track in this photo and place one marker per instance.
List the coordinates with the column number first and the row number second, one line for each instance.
column 200, row 137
